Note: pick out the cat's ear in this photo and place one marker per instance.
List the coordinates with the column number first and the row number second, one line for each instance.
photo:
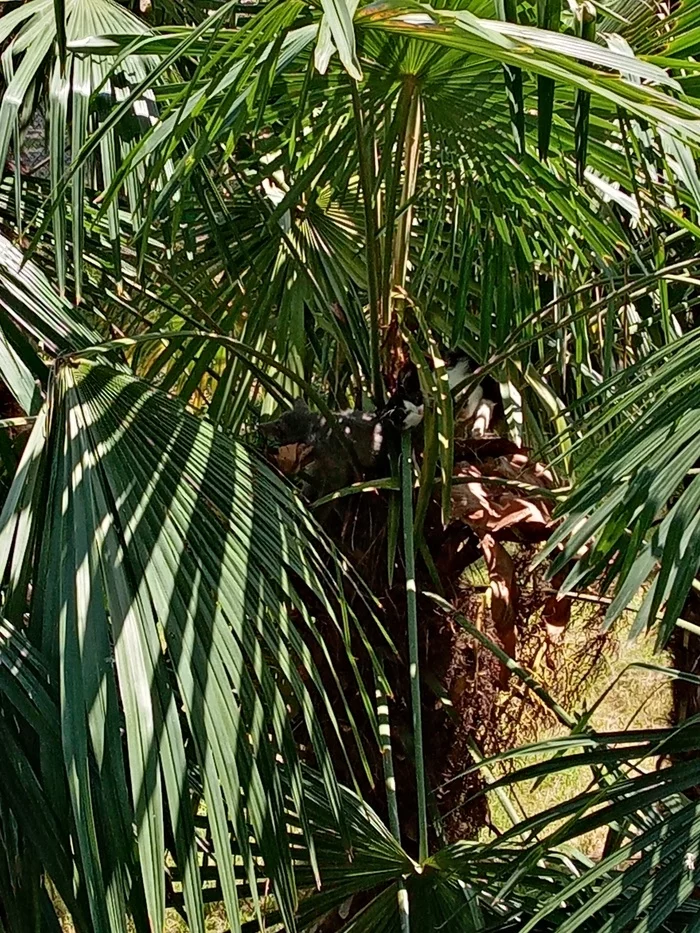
column 300, row 405
column 408, row 379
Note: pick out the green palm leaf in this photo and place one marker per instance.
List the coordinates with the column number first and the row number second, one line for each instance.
column 73, row 80
column 637, row 511
column 180, row 563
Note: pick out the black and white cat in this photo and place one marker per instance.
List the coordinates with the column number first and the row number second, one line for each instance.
column 406, row 406
column 369, row 436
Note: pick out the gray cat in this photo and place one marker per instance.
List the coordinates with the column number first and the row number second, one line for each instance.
column 339, row 455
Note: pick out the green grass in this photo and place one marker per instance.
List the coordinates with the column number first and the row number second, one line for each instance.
column 576, row 672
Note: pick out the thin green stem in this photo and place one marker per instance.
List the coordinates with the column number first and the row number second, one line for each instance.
column 490, row 778
column 403, row 108
column 387, row 759
column 412, row 141
column 413, row 654
column 365, row 161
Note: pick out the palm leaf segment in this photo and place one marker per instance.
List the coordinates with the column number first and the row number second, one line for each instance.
column 169, row 606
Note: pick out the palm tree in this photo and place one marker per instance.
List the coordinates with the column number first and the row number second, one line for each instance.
column 196, row 681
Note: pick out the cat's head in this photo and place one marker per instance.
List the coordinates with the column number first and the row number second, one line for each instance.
column 297, row 426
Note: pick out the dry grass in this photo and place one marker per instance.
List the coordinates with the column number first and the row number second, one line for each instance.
column 576, row 673
column 215, row 921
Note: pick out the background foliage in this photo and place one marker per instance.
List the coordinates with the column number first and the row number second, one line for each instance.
column 249, row 203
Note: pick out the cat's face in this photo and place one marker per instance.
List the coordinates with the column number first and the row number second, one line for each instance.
column 293, row 427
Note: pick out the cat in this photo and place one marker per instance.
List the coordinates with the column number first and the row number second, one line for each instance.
column 332, row 464
column 330, row 456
